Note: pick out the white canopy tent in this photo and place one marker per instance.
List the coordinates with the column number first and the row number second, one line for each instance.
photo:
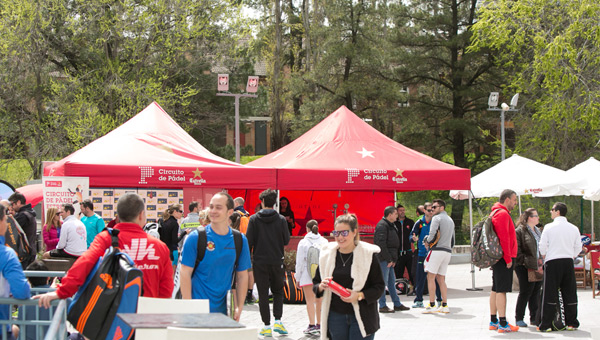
column 589, row 172
column 524, row 176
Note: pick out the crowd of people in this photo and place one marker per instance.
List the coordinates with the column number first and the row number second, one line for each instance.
column 223, row 248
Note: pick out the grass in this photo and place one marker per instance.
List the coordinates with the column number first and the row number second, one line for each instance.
column 16, row 172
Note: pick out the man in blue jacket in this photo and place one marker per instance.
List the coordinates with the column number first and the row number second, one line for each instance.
column 419, row 232
column 12, row 278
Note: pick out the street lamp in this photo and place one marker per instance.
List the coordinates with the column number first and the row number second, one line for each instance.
column 493, row 106
column 223, row 88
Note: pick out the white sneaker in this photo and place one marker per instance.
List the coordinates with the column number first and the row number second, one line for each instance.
column 444, row 309
column 431, row 310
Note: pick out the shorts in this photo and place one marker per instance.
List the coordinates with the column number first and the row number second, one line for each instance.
column 437, row 262
column 62, row 253
column 502, row 277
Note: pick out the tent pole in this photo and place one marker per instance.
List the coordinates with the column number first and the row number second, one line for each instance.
column 520, row 205
column 278, row 195
column 473, row 288
column 592, row 218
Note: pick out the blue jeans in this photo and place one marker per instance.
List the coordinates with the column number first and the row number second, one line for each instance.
column 422, row 281
column 344, row 327
column 390, row 280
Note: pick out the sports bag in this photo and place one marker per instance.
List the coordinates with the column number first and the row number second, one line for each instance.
column 312, row 259
column 402, row 286
column 485, row 246
column 17, row 240
column 292, row 293
column 113, row 286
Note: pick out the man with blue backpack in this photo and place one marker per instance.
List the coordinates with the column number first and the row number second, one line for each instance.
column 211, row 257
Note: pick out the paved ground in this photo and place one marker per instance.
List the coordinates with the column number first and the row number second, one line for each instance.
column 468, row 318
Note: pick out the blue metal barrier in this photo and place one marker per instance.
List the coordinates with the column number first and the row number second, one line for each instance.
column 55, row 317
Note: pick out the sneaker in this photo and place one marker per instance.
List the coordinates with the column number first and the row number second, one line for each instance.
column 444, row 309
column 508, row 328
column 309, row 329
column 316, row 330
column 430, row 310
column 401, row 308
column 521, row 323
column 266, row 332
column 385, row 309
column 544, row 330
column 494, row 326
column 279, row 328
column 571, row 328
column 418, row 304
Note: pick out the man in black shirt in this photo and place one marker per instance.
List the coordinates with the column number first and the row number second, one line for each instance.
column 404, row 226
column 25, row 216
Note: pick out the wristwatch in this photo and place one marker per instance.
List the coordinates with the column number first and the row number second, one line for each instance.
column 361, row 296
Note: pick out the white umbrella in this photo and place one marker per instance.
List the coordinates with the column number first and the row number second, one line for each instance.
column 589, row 172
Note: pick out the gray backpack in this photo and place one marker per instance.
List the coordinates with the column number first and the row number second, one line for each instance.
column 485, row 247
column 312, row 259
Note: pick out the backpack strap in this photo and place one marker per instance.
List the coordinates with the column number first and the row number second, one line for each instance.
column 114, row 236
column 201, row 248
column 239, row 243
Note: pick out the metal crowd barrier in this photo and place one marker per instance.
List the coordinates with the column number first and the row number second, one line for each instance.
column 55, row 322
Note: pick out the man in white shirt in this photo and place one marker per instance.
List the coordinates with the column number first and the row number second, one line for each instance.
column 72, row 242
column 559, row 245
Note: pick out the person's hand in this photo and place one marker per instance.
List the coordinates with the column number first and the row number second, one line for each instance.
column 324, row 284
column 390, row 264
column 45, row 299
column 508, row 265
column 188, row 230
column 237, row 313
column 352, row 298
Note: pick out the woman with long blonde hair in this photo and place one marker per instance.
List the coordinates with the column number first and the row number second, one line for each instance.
column 51, row 230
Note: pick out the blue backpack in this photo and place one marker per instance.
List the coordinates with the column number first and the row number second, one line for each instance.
column 113, row 286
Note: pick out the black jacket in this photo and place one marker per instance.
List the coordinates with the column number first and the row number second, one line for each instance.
column 404, row 229
column 26, row 219
column 386, row 237
column 527, row 248
column 169, row 234
column 267, row 235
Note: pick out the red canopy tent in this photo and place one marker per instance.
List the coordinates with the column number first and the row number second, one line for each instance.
column 152, row 150
column 343, row 153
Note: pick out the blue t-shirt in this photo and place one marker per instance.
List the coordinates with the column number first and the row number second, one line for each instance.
column 212, row 279
column 93, row 225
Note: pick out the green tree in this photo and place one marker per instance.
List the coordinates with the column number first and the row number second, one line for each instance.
column 550, row 53
column 449, row 83
column 77, row 69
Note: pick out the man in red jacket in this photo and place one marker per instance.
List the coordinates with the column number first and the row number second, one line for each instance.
column 150, row 255
column 502, row 271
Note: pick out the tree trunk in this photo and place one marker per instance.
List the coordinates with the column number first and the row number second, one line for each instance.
column 277, row 105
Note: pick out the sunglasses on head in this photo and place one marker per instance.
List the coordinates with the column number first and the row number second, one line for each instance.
column 343, row 233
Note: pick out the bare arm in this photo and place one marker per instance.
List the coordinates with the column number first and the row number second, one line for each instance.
column 186, row 282
column 241, row 291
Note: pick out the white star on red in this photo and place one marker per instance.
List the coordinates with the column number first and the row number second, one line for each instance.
column 366, row 153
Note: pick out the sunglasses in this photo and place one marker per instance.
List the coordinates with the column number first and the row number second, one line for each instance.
column 57, row 214
column 534, row 216
column 435, row 206
column 343, row 233
column 553, row 209
column 430, row 210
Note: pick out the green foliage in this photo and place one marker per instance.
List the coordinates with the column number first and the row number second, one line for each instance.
column 550, row 53
column 16, row 172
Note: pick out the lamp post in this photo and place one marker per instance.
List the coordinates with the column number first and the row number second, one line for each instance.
column 251, row 87
column 493, row 106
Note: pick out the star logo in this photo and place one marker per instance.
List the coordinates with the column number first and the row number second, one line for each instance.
column 307, row 217
column 197, row 173
column 365, row 153
column 399, row 173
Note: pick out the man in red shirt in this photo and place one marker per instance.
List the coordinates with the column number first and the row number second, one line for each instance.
column 150, row 255
column 502, row 271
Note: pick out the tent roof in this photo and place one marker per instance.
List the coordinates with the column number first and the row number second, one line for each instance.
column 344, row 153
column 152, row 150
column 523, row 175
column 588, row 172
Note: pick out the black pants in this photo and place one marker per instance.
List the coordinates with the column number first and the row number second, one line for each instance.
column 269, row 276
column 559, row 274
column 405, row 260
column 529, row 294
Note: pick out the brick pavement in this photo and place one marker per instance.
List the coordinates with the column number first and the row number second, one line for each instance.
column 468, row 318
